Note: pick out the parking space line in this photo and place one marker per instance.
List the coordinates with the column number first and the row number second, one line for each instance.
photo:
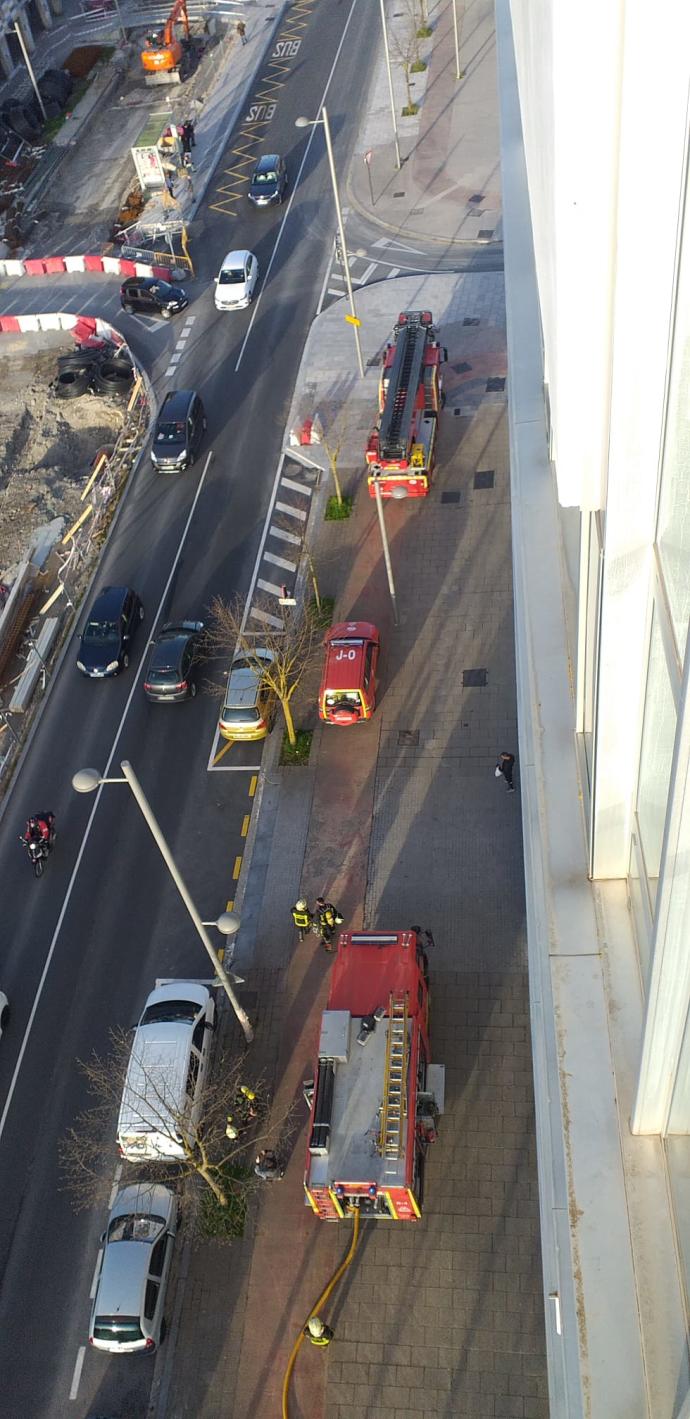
column 227, row 745
column 267, row 618
column 284, row 536
column 293, row 511
column 280, row 562
column 296, row 487
column 245, row 825
column 78, row 1367
column 252, row 784
column 269, row 586
column 237, row 868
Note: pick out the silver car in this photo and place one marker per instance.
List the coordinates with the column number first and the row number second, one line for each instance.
column 127, row 1312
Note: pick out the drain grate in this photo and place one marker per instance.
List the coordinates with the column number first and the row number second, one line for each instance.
column 457, row 413
column 471, row 320
column 408, row 738
column 450, row 497
column 485, row 234
column 398, row 194
column 493, row 386
column 473, row 679
column 484, row 478
column 476, row 198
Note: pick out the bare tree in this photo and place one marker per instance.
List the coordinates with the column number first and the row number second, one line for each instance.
column 279, row 655
column 405, row 44
column 214, row 1149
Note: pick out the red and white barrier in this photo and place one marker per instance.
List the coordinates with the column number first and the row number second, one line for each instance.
column 58, row 265
column 84, row 328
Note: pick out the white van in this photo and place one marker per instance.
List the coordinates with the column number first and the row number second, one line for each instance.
column 166, row 1073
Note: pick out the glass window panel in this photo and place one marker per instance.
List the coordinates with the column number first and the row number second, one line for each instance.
column 658, row 735
column 640, row 910
column 673, row 532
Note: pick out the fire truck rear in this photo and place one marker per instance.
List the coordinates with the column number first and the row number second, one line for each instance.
column 401, row 449
column 376, row 1097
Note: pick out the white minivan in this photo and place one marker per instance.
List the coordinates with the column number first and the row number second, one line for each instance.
column 162, row 1096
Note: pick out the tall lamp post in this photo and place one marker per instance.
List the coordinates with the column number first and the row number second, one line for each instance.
column 398, row 163
column 311, row 123
column 86, row 781
column 398, row 493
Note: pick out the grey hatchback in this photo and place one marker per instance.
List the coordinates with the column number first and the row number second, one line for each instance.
column 127, row 1313
column 179, row 431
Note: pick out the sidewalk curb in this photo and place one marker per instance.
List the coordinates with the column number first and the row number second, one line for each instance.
column 400, row 227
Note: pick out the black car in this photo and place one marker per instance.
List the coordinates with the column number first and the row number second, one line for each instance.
column 151, row 296
column 174, row 663
column 179, row 431
column 268, row 182
column 108, row 633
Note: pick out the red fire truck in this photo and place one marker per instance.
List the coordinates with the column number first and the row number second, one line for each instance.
column 348, row 684
column 401, row 449
column 376, row 1097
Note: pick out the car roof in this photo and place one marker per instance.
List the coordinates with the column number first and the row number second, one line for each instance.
column 125, row 1269
column 108, row 602
column 177, row 990
column 152, row 1199
column 235, row 258
column 244, row 681
column 267, row 162
column 176, row 403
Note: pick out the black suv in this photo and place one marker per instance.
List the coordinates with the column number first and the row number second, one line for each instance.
column 108, row 633
column 172, row 669
column 151, row 296
column 268, row 181
column 179, row 431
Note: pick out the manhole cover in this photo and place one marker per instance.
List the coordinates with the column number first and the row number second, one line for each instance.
column 408, row 737
column 471, row 320
column 473, row 678
column 398, row 194
column 476, row 198
column 484, row 478
column 493, row 386
column 450, row 497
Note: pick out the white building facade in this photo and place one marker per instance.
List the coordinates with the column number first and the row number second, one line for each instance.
column 595, row 102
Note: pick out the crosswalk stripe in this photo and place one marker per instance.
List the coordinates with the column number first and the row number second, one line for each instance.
column 296, row 487
column 280, row 562
column 285, row 536
column 292, row 511
column 268, row 620
column 269, row 586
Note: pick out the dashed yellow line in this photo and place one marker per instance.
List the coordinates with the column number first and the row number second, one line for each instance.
column 245, row 825
column 229, row 905
column 237, row 868
column 252, row 784
column 221, row 752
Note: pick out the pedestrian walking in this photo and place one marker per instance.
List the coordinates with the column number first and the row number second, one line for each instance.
column 242, row 31
column 326, row 918
column 190, row 134
column 302, row 917
column 169, row 184
column 317, row 1332
column 267, row 1167
column 504, row 768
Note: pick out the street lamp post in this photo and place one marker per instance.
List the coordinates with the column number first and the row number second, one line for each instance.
column 456, row 39
column 27, row 61
column 390, row 85
column 398, row 493
column 86, row 781
column 311, row 123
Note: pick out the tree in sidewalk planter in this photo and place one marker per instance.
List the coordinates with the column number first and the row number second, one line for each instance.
column 405, row 45
column 424, row 29
column 222, row 1163
column 291, row 648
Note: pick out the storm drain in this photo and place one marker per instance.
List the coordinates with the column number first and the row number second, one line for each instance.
column 408, row 738
column 473, row 679
column 398, row 194
column 493, row 386
column 476, row 198
column 484, row 478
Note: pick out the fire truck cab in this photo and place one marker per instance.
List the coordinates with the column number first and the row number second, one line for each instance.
column 401, row 449
column 348, row 683
column 376, row 1097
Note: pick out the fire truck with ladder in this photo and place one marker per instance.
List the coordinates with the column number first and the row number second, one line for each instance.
column 375, row 1097
column 401, row 449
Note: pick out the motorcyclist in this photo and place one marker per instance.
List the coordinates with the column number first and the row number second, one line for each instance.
column 40, row 828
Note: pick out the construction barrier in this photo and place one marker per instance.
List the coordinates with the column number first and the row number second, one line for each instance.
column 58, row 265
column 83, row 327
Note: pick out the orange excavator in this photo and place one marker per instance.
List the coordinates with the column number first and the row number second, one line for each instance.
column 166, row 51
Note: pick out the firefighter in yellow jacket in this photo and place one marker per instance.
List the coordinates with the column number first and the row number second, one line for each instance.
column 317, row 1332
column 302, row 917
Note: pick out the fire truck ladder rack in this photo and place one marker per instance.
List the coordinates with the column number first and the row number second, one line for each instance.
column 402, row 391
column 394, row 1109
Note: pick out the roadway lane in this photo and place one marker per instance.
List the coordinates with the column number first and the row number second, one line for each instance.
column 122, row 926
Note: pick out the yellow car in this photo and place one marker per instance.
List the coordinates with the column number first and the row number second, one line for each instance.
column 249, row 707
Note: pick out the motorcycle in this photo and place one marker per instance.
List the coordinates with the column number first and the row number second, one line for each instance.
column 39, row 850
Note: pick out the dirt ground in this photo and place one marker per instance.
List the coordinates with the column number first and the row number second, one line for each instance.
column 47, row 447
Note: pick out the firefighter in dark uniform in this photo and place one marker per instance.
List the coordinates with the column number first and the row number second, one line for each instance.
column 302, row 917
column 317, row 1332
column 326, row 918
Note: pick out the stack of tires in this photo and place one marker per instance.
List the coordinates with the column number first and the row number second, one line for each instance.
column 107, row 370
column 25, row 119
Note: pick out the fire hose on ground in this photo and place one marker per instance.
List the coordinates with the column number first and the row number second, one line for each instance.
column 317, row 1307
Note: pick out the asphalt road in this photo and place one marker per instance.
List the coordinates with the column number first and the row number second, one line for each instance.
column 104, row 921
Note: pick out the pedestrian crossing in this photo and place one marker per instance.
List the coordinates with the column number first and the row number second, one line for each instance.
column 383, row 260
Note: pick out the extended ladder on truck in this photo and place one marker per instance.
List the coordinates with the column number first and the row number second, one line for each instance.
column 405, row 376
column 394, row 1107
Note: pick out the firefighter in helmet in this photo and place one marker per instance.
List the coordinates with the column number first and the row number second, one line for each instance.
column 302, row 917
column 317, row 1332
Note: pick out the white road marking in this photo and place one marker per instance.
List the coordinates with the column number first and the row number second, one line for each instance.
column 170, row 371
column 339, row 294
column 291, row 511
column 285, row 536
column 78, row 1367
column 190, row 320
column 175, row 359
column 267, row 618
column 362, row 280
column 394, row 271
column 296, row 487
column 280, row 562
column 385, row 242
column 281, row 229
column 269, row 586
column 97, row 1268
column 87, row 831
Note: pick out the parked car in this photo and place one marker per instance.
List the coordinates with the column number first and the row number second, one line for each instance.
column 173, row 667
column 249, row 704
column 166, row 1073
column 268, row 181
column 179, row 431
column 107, row 636
column 127, row 1312
column 236, row 280
column 348, row 684
column 148, row 295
